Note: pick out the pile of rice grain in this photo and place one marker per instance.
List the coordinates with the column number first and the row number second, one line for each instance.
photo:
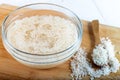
column 81, row 66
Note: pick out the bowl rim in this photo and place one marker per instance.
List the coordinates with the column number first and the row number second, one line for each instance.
column 4, row 39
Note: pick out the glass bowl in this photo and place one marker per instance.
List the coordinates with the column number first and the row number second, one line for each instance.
column 41, row 61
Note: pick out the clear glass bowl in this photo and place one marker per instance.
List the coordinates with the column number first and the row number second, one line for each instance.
column 38, row 60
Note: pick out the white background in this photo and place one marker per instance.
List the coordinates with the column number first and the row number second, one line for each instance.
column 106, row 11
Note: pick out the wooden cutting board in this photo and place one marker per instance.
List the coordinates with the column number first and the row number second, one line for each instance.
column 10, row 69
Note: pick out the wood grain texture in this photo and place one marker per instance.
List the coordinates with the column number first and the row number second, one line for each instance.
column 10, row 69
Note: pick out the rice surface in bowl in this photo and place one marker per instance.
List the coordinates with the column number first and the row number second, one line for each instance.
column 44, row 34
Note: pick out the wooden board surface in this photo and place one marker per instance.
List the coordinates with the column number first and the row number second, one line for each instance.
column 10, row 69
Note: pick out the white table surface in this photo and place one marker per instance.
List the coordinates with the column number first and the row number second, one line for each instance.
column 106, row 11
